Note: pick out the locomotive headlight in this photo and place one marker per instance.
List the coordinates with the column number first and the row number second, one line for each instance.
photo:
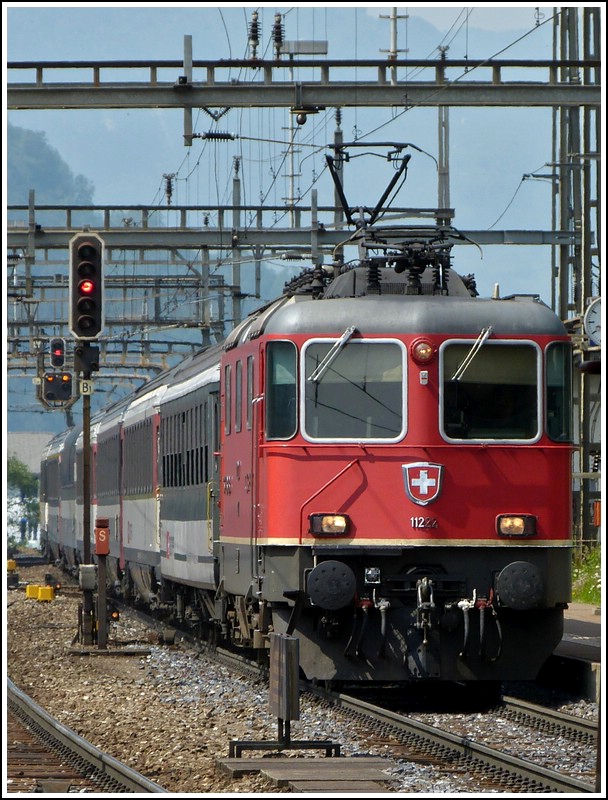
column 516, row 525
column 329, row 524
column 423, row 351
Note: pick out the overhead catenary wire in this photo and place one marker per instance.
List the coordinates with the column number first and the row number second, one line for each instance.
column 209, row 137
column 466, row 73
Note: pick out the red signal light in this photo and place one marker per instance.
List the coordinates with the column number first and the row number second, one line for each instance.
column 86, row 287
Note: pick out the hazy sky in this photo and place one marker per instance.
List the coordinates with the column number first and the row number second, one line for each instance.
column 483, row 16
column 126, row 153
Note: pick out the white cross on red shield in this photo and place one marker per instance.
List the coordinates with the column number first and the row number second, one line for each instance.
column 422, row 481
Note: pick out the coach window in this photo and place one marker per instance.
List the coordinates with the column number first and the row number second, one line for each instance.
column 281, row 406
column 491, row 392
column 354, row 391
column 559, row 391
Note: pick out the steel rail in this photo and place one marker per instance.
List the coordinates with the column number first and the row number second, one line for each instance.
column 108, row 767
column 540, row 716
column 463, row 746
column 502, row 765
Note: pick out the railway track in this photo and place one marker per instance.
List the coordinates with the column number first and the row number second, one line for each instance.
column 467, row 754
column 550, row 721
column 46, row 757
column 491, row 767
column 28, row 560
column 414, row 740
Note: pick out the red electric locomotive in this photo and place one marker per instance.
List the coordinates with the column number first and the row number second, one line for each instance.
column 396, row 485
column 378, row 462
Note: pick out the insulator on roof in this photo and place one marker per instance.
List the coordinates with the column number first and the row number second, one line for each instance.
column 277, row 34
column 254, row 34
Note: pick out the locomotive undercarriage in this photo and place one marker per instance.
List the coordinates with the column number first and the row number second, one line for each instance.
column 402, row 615
column 467, row 616
column 404, row 644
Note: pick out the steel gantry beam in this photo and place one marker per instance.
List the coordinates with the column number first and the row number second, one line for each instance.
column 306, row 230
column 466, row 82
column 269, row 239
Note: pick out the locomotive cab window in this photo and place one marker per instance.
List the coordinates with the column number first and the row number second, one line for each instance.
column 281, row 403
column 559, row 391
column 354, row 390
column 491, row 392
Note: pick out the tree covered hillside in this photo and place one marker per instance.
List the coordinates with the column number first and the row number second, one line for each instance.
column 33, row 164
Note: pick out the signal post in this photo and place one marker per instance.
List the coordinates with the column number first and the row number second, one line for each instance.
column 86, row 322
column 102, row 550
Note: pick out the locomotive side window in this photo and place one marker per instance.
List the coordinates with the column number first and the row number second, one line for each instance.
column 492, row 393
column 238, row 397
column 559, row 391
column 354, row 391
column 281, row 405
column 250, row 364
column 227, row 398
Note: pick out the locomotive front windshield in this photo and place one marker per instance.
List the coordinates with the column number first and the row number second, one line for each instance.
column 353, row 390
column 490, row 393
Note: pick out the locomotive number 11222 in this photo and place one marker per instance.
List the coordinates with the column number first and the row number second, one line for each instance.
column 423, row 522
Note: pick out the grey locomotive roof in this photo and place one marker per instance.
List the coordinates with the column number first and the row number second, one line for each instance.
column 394, row 314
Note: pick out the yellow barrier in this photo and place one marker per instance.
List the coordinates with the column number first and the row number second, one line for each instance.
column 11, row 565
column 31, row 591
column 46, row 593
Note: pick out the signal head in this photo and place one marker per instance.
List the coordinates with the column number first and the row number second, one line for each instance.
column 57, row 352
column 86, row 286
column 49, row 387
column 57, row 388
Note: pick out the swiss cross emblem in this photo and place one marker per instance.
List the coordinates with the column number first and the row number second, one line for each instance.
column 422, row 481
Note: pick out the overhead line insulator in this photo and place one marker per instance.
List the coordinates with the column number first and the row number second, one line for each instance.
column 220, row 136
column 254, row 34
column 277, row 34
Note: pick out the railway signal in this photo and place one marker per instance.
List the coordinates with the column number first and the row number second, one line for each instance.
column 86, row 358
column 86, row 319
column 57, row 387
column 57, row 352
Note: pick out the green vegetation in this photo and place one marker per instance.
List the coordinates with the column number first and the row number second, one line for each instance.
column 25, row 515
column 34, row 164
column 587, row 577
column 19, row 477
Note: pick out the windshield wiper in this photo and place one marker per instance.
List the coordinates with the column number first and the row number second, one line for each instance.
column 332, row 355
column 485, row 332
